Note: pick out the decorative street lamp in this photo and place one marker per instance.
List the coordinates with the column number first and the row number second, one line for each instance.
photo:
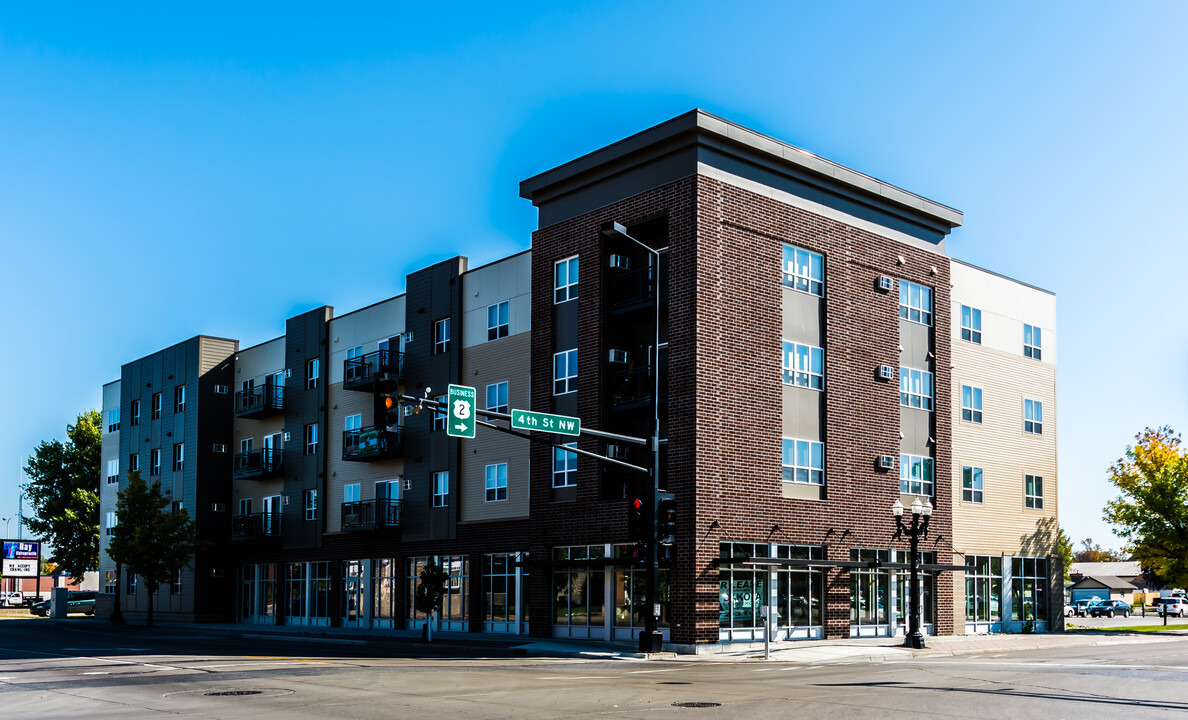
column 915, row 531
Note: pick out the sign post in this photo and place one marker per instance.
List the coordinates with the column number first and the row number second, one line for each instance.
column 460, row 420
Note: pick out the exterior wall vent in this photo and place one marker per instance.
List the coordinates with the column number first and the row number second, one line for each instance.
column 619, row 262
column 287, row 436
column 288, row 373
column 406, row 338
column 220, row 447
column 886, row 372
column 885, row 283
column 218, row 507
column 886, row 462
column 620, row 356
column 216, row 572
column 222, row 390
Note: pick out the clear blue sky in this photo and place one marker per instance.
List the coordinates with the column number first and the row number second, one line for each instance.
column 153, row 163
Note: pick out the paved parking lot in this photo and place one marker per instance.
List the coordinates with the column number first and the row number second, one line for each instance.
column 1105, row 622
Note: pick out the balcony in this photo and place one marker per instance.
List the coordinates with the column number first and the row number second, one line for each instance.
column 258, row 464
column 632, row 289
column 380, row 370
column 369, row 444
column 632, row 389
column 371, row 514
column 260, row 402
column 256, row 525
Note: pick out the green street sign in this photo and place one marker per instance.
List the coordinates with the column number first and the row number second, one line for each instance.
column 460, row 421
column 544, row 422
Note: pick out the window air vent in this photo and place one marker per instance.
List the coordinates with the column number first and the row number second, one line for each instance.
column 218, row 507
column 886, row 462
column 216, row 572
column 406, row 337
column 620, row 356
column 286, row 436
column 885, row 283
column 220, row 448
column 221, row 390
column 619, row 262
column 618, row 452
column 288, row 373
column 886, row 372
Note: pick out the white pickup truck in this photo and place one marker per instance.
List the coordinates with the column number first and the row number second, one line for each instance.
column 17, row 599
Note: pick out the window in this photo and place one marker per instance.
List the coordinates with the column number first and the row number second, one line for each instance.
column 155, row 462
column 915, row 302
column 440, row 415
column 113, row 471
column 497, row 482
column 113, row 420
column 175, row 586
column 915, row 475
column 564, row 467
column 311, row 439
column 350, row 492
column 565, row 279
column 156, row 406
column 134, row 462
column 803, row 461
column 311, row 504
column 179, row 399
column 245, row 506
column 110, row 524
column 971, row 484
column 354, row 352
column 497, row 323
column 441, row 489
column 1033, row 492
column 915, row 388
column 135, row 412
column 131, row 582
column 971, row 324
column 983, row 588
column 971, row 404
column 1033, row 417
column 1031, row 342
column 1029, row 582
column 497, row 397
column 565, row 372
column 110, row 582
column 176, row 506
column 804, row 365
column 804, row 270
column 441, row 336
column 245, row 445
column 353, row 422
column 179, row 457
column 313, row 370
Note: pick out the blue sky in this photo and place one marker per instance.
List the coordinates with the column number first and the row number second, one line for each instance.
column 153, row 161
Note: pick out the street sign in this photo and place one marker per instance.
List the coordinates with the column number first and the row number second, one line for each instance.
column 460, row 421
column 544, row 422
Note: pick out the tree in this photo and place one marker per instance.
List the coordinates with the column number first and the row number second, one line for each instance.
column 1152, row 512
column 1064, row 545
column 430, row 591
column 63, row 490
column 1092, row 552
column 148, row 539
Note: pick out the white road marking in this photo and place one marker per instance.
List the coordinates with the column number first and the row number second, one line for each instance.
column 240, row 664
column 641, row 672
column 100, row 672
column 101, row 659
column 579, row 677
column 1036, row 664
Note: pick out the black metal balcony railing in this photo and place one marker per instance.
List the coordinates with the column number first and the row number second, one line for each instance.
column 633, row 388
column 260, row 401
column 262, row 463
column 370, row 514
column 370, row 443
column 256, row 525
column 365, row 371
column 632, row 289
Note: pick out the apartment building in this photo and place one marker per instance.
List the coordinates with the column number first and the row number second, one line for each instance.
column 810, row 361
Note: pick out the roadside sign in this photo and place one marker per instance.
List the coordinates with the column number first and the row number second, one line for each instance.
column 544, row 422
column 460, row 421
column 21, row 558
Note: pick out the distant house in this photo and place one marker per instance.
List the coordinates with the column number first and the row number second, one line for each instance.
column 1103, row 587
column 1128, row 570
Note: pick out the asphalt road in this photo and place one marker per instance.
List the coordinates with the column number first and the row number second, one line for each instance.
column 85, row 670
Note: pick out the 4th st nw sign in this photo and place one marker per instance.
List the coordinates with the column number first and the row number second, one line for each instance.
column 544, row 422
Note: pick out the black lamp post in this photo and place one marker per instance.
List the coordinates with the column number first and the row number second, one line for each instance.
column 915, row 531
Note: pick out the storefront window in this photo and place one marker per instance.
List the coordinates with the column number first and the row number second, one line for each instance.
column 578, row 592
column 383, row 588
column 1029, row 581
column 630, row 595
column 499, row 587
column 983, row 588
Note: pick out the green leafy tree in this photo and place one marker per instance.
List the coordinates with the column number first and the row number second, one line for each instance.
column 63, row 491
column 1152, row 512
column 1064, row 545
column 430, row 590
column 148, row 539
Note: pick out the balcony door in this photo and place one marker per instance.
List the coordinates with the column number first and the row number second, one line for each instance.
column 270, row 523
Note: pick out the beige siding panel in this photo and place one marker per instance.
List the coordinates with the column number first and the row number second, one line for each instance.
column 342, row 403
column 1006, row 305
column 510, row 280
column 482, row 365
column 366, row 327
column 213, row 351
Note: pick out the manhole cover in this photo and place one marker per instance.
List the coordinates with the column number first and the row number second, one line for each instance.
column 696, row 704
column 232, row 693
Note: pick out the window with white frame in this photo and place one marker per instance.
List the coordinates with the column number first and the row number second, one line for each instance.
column 565, row 372
column 1033, row 492
column 113, row 471
column 109, row 525
column 564, row 466
column 311, row 439
column 441, row 336
column 915, row 302
column 803, row 461
column 245, row 445
column 1033, row 417
column 135, row 412
column 565, row 279
column 497, row 322
column 134, row 462
column 311, row 504
column 352, row 422
column 496, row 485
column 804, row 365
column 313, row 370
column 971, row 484
column 179, row 399
column 971, row 404
column 350, row 492
column 915, row 475
column 110, row 582
column 915, row 388
column 497, row 397
column 155, row 462
column 245, row 507
column 971, row 324
column 113, row 420
column 440, row 415
column 1032, row 342
column 804, row 270
column 179, row 457
column 354, row 352
column 441, row 488
column 156, row 406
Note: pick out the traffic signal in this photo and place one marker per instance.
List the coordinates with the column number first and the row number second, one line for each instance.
column 665, row 518
column 637, row 524
column 387, row 411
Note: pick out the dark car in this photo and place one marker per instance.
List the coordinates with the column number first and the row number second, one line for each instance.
column 1109, row 608
column 79, row 601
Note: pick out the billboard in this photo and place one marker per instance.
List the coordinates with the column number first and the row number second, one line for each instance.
column 22, row 558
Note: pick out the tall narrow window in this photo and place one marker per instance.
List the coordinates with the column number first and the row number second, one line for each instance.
column 311, row 439
column 350, row 492
column 179, row 457
column 1032, row 342
column 971, row 404
column 109, row 525
column 352, row 422
column 179, row 399
column 915, row 302
column 803, row 461
column 155, row 462
column 439, row 415
column 915, row 475
column 915, row 388
column 134, row 462
column 313, row 370
column 1033, row 492
column 804, row 365
column 564, row 467
column 156, row 406
column 565, row 372
column 497, row 397
column 441, row 336
column 497, row 321
column 803, row 270
column 135, row 412
column 565, row 279
column 971, row 484
column 1033, row 417
column 971, row 324
column 496, row 485
column 441, row 488
column 113, row 420
column 113, row 471
column 311, row 504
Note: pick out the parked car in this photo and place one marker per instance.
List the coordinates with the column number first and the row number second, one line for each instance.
column 79, row 601
column 1171, row 606
column 1079, row 607
column 1109, row 608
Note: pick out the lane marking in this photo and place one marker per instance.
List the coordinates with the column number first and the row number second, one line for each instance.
column 101, row 659
column 642, row 672
column 99, row 672
column 242, row 664
column 580, row 677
